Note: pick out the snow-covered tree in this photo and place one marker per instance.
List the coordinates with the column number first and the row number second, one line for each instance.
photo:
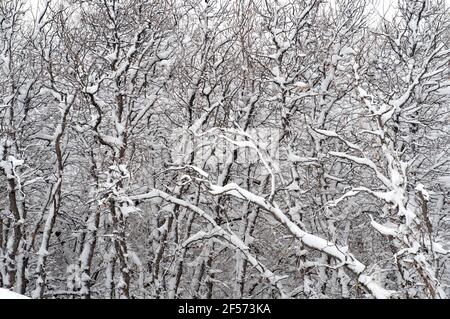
column 224, row 149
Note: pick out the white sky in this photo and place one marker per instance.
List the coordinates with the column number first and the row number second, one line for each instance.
column 387, row 7
column 382, row 7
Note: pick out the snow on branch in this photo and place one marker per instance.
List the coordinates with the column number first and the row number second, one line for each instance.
column 219, row 231
column 312, row 241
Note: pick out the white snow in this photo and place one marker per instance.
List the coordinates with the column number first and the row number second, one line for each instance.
column 386, row 230
column 445, row 181
column 7, row 294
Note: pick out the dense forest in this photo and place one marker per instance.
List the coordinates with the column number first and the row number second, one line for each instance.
column 224, row 149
